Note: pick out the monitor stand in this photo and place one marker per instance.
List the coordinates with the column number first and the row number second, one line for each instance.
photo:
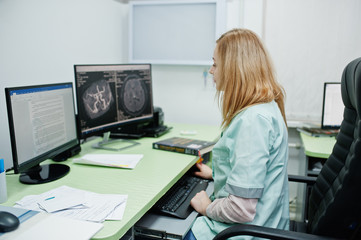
column 44, row 173
column 104, row 144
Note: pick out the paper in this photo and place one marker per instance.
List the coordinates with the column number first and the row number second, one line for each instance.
column 110, row 160
column 100, row 207
column 83, row 205
column 118, row 212
column 44, row 226
column 57, row 203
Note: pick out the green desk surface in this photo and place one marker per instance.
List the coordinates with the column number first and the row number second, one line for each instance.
column 320, row 147
column 156, row 172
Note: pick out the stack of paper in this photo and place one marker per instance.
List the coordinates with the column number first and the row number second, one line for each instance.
column 110, row 160
column 77, row 204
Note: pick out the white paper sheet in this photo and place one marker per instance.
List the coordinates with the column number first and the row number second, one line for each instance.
column 57, row 203
column 44, row 226
column 95, row 208
column 110, row 160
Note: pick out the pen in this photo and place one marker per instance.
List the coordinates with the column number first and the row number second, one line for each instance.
column 49, row 198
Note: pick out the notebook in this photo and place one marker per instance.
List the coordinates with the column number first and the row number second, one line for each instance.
column 332, row 112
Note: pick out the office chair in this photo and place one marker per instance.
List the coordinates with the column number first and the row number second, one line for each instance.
column 334, row 209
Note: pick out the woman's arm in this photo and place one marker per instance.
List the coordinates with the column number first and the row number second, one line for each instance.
column 232, row 209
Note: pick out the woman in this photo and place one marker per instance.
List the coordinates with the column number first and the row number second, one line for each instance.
column 249, row 165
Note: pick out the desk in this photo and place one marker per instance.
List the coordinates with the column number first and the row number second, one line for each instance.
column 317, row 149
column 144, row 185
column 320, row 147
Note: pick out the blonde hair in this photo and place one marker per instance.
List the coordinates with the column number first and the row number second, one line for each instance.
column 246, row 75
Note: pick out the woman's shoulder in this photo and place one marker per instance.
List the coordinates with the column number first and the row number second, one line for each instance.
column 265, row 110
column 253, row 115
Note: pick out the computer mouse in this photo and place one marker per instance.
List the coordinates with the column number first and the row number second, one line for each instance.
column 8, row 222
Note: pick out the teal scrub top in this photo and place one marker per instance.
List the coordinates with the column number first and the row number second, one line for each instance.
column 250, row 161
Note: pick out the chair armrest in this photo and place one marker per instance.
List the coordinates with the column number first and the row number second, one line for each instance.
column 264, row 232
column 302, row 179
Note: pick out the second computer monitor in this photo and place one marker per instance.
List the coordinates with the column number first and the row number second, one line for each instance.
column 42, row 125
column 111, row 96
column 332, row 109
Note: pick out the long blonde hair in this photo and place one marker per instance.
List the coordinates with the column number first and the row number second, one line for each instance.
column 246, row 74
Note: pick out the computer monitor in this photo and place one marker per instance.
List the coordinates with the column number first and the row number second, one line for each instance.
column 332, row 109
column 110, row 97
column 42, row 125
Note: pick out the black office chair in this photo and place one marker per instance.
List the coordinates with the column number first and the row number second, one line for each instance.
column 334, row 209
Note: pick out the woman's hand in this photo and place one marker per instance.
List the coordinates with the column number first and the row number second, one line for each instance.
column 200, row 202
column 204, row 171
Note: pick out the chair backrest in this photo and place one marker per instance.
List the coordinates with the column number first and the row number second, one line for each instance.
column 335, row 199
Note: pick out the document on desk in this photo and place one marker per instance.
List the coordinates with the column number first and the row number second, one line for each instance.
column 77, row 204
column 110, row 160
column 44, row 226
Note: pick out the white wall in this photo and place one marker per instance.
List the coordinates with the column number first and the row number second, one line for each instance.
column 309, row 41
column 41, row 40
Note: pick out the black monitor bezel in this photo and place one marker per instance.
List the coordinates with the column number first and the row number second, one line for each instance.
column 323, row 126
column 23, row 167
column 101, row 130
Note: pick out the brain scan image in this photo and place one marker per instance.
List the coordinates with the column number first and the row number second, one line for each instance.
column 133, row 95
column 97, row 99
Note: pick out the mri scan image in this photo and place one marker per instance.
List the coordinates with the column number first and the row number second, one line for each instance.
column 97, row 99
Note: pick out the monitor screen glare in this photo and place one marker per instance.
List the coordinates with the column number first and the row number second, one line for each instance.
column 42, row 125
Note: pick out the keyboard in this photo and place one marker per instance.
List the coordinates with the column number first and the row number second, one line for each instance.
column 176, row 202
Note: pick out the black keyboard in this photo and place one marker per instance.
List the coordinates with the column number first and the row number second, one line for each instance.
column 176, row 202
